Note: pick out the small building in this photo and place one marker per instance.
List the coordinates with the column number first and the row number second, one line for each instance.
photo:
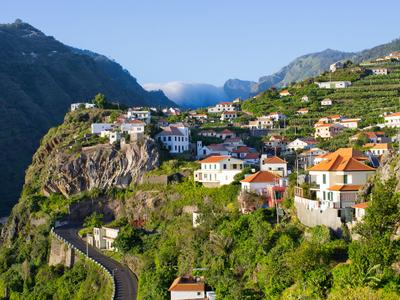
column 333, row 84
column 309, row 157
column 113, row 136
column 97, row 128
column 392, row 120
column 378, row 149
column 190, row 288
column 326, row 102
column 221, row 107
column 359, row 210
column 225, row 134
column 301, row 144
column 208, row 133
column 305, row 99
column 284, row 93
column 212, row 149
column 275, row 144
column 372, row 137
column 228, row 116
column 175, row 138
column 337, row 65
column 142, row 115
column 261, row 123
column 241, row 152
column 259, row 181
column 135, row 128
column 350, row 123
column 379, row 71
column 103, row 238
column 277, row 116
column 233, row 143
column 327, row 131
column 76, row 106
column 218, row 170
column 302, row 111
column 199, row 117
column 274, row 164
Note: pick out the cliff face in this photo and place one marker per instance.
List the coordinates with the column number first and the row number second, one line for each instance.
column 101, row 166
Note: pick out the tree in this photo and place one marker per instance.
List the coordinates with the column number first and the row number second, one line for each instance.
column 100, row 100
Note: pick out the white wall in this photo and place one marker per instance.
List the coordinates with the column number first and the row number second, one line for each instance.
column 182, row 295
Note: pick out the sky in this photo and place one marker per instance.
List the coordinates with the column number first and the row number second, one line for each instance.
column 209, row 41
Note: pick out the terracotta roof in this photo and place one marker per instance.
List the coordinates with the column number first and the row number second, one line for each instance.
column 242, row 149
column 384, row 146
column 225, row 131
column 254, row 155
column 214, row 159
column 187, row 284
column 217, row 147
column 361, row 205
column 303, row 109
column 261, row 176
column 233, row 140
column 335, row 117
column 274, row 160
column 396, row 114
column 350, row 120
column 343, row 159
column 345, row 187
column 136, row 122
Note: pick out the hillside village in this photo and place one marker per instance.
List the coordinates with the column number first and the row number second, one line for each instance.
column 319, row 150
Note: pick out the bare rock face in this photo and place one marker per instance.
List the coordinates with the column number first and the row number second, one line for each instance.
column 100, row 166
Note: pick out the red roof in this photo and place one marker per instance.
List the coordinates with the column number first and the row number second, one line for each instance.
column 396, row 114
column 345, row 187
column 214, row 159
column 226, row 131
column 261, row 176
column 254, row 155
column 274, row 160
column 136, row 122
column 190, row 284
column 361, row 205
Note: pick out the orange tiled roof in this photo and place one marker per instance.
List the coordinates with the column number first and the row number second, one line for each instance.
column 361, row 205
column 274, row 160
column 187, row 284
column 384, row 146
column 261, row 176
column 345, row 187
column 396, row 114
column 214, row 159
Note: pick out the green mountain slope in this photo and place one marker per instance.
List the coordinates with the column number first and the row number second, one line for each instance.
column 39, row 78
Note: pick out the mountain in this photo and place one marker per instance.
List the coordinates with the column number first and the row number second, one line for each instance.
column 190, row 95
column 39, row 78
column 306, row 66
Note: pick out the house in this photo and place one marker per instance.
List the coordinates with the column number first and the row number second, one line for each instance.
column 339, row 177
column 103, row 238
column 142, row 115
column 333, row 84
column 75, row 106
column 172, row 111
column 199, row 117
column 379, row 71
column 301, row 144
column 350, row 123
column 302, row 111
column 274, row 164
column 218, row 170
column 327, row 131
column 258, row 182
column 213, row 149
column 228, row 115
column 309, row 157
column 334, row 118
column 135, row 128
column 276, row 116
column 261, row 123
column 372, row 137
column 305, row 99
column 392, row 120
column 113, row 136
column 337, row 65
column 284, row 93
column 221, row 107
column 394, row 55
column 359, row 210
column 252, row 159
column 97, row 128
column 242, row 151
column 326, row 102
column 225, row 134
column 378, row 149
column 162, row 122
column 275, row 144
column 190, row 288
column 175, row 138
column 232, row 143
column 208, row 133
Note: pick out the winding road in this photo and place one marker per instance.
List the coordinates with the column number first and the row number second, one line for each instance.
column 125, row 280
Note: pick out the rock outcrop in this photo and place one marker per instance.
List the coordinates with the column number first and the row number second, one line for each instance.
column 101, row 167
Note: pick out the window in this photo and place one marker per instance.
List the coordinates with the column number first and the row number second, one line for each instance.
column 345, row 179
column 234, row 166
column 324, row 195
column 324, row 178
column 169, row 138
column 224, row 166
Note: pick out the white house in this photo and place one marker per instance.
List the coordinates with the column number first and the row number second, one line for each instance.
column 113, row 136
column 310, row 157
column 261, row 123
column 301, row 144
column 326, row 102
column 190, row 288
column 276, row 116
column 103, row 238
column 135, row 128
column 284, row 93
column 218, row 170
column 359, row 210
column 350, row 123
column 225, row 134
column 97, row 128
column 274, row 164
column 333, row 84
column 175, row 138
column 305, row 99
column 259, row 181
column 142, row 115
column 379, row 71
column 392, row 120
column 339, row 177
column 221, row 107
column 302, row 111
column 378, row 149
column 337, row 65
column 75, row 106
column 327, row 131
column 228, row 115
column 213, row 149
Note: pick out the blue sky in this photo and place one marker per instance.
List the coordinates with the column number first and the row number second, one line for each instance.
column 209, row 40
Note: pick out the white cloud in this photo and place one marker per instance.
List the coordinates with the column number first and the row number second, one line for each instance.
column 190, row 94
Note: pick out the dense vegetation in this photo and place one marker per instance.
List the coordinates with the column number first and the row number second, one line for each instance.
column 39, row 78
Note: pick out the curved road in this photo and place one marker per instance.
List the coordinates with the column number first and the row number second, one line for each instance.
column 125, row 280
